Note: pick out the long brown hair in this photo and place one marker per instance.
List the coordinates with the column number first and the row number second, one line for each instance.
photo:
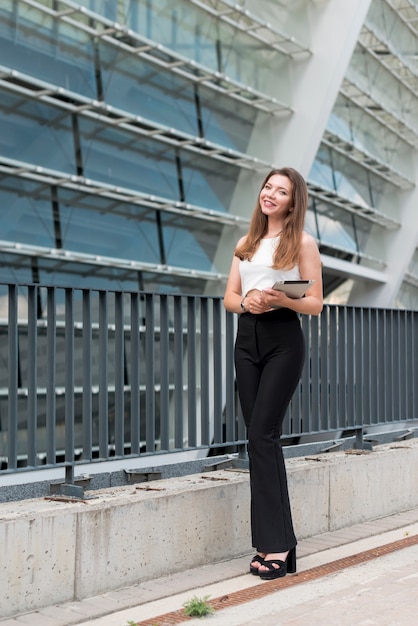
column 286, row 254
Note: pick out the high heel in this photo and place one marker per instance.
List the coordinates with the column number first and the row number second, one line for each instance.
column 291, row 561
column 283, row 567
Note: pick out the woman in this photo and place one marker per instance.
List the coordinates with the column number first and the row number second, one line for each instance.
column 270, row 352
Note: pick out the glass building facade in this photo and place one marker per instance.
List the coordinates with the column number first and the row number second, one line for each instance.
column 135, row 135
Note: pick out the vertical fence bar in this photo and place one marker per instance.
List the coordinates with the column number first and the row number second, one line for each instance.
column 351, row 386
column 381, row 366
column 292, row 419
column 103, row 376
column 358, row 374
column 305, row 419
column 87, row 417
column 32, row 367
column 409, row 364
column 230, row 412
column 367, row 373
column 373, row 367
column 12, row 424
column 414, row 359
column 233, row 411
column 315, row 359
column 69, row 376
column 51, row 376
column 119, row 375
column 397, row 355
column 394, row 363
column 204, row 371
column 135, row 376
column 191, row 372
column 389, row 367
column 324, row 381
column 342, row 367
column 217, row 371
column 178, row 373
column 395, row 369
column 164, row 373
column 150, row 373
column 332, row 334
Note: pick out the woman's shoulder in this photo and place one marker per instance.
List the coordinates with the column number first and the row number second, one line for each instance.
column 309, row 247
column 307, row 240
column 241, row 241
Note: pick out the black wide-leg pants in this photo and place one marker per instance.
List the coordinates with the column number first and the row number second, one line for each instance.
column 269, row 356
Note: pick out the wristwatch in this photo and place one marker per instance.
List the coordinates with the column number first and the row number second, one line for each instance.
column 243, row 309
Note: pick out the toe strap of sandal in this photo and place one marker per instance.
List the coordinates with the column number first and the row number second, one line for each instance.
column 271, row 563
column 257, row 559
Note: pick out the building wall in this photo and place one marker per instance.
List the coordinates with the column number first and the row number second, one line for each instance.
column 135, row 134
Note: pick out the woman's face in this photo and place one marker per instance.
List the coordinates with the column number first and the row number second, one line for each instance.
column 276, row 196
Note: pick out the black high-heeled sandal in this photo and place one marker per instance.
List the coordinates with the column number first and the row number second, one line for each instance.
column 256, row 559
column 283, row 567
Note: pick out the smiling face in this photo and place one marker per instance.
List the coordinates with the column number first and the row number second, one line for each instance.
column 276, row 197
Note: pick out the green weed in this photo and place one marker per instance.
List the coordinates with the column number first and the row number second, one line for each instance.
column 198, row 607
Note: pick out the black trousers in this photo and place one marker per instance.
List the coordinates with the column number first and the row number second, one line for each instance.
column 269, row 356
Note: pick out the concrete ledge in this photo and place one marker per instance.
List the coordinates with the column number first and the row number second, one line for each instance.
column 56, row 551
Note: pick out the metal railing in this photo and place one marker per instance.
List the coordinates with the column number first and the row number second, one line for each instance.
column 99, row 375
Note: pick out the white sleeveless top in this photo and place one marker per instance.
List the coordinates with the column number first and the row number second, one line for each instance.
column 258, row 273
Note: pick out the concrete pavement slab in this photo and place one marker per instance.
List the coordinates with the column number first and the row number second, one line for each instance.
column 269, row 606
column 380, row 592
column 152, row 599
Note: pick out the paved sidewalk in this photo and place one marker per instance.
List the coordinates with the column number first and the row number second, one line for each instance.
column 380, row 588
column 380, row 592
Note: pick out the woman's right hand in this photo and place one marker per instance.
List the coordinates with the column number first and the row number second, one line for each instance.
column 255, row 302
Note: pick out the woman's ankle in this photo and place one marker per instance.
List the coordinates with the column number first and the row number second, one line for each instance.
column 276, row 556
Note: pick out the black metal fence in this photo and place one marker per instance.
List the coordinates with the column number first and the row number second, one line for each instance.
column 98, row 375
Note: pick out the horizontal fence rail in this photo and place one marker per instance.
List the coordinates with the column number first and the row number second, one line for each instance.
column 97, row 375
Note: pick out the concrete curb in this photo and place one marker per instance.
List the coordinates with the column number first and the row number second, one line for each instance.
column 58, row 551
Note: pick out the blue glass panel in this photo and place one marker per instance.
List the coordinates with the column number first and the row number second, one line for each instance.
column 360, row 132
column 333, row 233
column 334, row 177
column 36, row 133
column 95, row 277
column 188, row 243
column 310, row 223
column 347, row 189
column 177, row 25
column 7, row 24
column 339, row 126
column 226, row 121
column 85, row 276
column 47, row 49
column 164, row 283
column 321, row 173
column 92, row 226
column 193, row 33
column 14, row 269
column 132, row 84
column 108, row 8
column 26, row 213
column 17, row 269
column 118, row 158
column 208, row 183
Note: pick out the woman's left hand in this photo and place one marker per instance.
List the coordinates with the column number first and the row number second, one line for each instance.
column 274, row 299
column 256, row 302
